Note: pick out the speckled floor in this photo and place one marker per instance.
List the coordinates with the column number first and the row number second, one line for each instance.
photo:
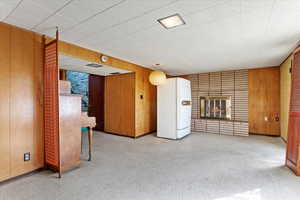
column 199, row 167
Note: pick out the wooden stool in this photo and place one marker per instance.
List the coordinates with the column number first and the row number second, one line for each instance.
column 87, row 124
column 90, row 137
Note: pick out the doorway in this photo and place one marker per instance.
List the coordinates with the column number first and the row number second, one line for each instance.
column 89, row 80
column 96, row 86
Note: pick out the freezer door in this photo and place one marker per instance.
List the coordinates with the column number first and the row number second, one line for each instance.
column 184, row 106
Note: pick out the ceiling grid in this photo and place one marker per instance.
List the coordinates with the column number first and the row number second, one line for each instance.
column 218, row 34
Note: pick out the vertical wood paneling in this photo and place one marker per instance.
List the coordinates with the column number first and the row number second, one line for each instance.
column 285, row 94
column 119, row 104
column 4, row 101
column 145, row 103
column 22, row 99
column 38, row 153
column 264, row 101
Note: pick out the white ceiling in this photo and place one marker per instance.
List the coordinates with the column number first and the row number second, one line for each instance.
column 79, row 65
column 218, row 35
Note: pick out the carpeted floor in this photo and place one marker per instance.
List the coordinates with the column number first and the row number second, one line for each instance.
column 199, row 167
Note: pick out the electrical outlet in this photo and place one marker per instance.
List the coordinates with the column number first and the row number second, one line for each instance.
column 26, row 156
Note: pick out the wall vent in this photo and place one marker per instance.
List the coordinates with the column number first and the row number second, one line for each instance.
column 94, row 65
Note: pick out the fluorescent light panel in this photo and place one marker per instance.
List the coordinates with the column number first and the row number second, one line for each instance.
column 171, row 21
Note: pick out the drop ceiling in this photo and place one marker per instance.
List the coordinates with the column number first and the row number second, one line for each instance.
column 218, row 34
column 79, row 65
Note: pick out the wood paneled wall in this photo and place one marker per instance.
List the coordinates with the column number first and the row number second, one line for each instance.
column 145, row 93
column 21, row 101
column 120, row 104
column 285, row 94
column 264, row 101
column 145, row 103
column 4, row 101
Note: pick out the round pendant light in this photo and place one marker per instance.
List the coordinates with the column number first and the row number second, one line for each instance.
column 157, row 77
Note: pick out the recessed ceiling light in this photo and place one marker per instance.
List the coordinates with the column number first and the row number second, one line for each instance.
column 171, row 21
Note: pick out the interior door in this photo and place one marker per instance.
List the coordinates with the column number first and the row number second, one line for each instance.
column 264, row 101
column 96, row 100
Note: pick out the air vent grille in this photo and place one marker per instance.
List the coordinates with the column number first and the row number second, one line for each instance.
column 94, row 65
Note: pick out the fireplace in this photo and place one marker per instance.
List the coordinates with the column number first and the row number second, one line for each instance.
column 215, row 107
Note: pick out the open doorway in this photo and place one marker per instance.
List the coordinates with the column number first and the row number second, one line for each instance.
column 91, row 88
column 88, row 80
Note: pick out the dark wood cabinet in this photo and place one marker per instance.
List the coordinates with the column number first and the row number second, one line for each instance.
column 293, row 142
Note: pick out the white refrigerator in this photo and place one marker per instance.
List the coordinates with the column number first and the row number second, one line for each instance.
column 174, row 108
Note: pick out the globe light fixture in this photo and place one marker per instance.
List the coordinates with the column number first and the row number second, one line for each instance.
column 157, row 77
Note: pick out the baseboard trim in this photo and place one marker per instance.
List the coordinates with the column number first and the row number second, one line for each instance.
column 15, row 178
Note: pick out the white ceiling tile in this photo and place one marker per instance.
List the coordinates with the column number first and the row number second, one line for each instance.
column 122, row 14
column 52, row 5
column 81, row 9
column 202, row 9
column 218, row 35
column 6, row 7
column 76, row 12
column 228, row 9
column 32, row 12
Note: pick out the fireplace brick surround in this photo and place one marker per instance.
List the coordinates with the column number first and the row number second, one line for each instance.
column 227, row 83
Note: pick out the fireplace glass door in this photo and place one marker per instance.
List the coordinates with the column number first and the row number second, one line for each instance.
column 215, row 107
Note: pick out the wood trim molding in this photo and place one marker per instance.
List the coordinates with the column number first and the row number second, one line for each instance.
column 73, row 50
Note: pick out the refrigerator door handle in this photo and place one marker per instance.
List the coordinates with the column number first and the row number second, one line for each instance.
column 186, row 103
